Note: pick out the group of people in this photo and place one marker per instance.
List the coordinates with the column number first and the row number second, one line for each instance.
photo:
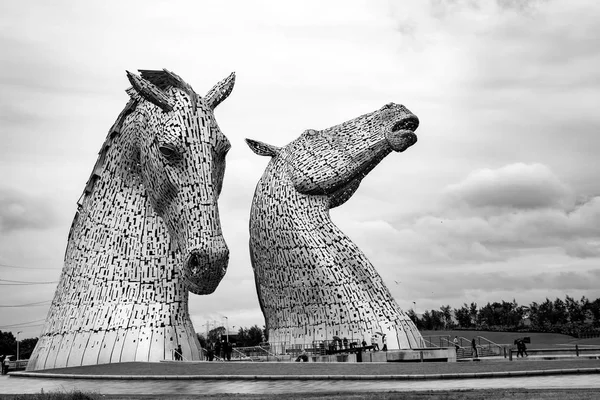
column 521, row 348
column 473, row 346
column 221, row 349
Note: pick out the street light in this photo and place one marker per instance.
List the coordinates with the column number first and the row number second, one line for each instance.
column 227, row 328
column 18, row 344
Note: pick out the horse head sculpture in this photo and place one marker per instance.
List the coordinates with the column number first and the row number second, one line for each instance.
column 313, row 283
column 146, row 232
column 181, row 155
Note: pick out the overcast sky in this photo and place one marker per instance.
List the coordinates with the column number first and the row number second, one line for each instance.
column 499, row 198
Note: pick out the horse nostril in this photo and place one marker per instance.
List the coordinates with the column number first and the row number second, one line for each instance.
column 409, row 123
column 195, row 262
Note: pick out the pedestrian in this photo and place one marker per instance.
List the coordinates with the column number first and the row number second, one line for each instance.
column 210, row 353
column 474, row 345
column 456, row 343
column 345, row 342
column 179, row 356
column 228, row 350
column 2, row 363
column 5, row 364
column 384, row 343
column 374, row 342
column 521, row 348
column 218, row 349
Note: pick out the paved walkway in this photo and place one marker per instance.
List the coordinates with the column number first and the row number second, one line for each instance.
column 321, row 371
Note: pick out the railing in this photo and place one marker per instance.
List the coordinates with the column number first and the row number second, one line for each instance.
column 175, row 352
column 256, row 353
column 430, row 341
column 494, row 347
column 576, row 351
column 215, row 356
column 241, row 355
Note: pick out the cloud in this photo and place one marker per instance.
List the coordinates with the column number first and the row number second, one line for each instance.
column 517, row 186
column 495, row 214
column 19, row 211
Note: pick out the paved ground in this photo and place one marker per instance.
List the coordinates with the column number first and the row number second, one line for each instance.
column 325, row 369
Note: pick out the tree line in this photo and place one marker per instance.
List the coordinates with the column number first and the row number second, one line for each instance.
column 244, row 337
column 569, row 316
column 8, row 345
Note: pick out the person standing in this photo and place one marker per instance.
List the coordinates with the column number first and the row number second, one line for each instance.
column 456, row 343
column 228, row 350
column 374, row 342
column 474, row 345
column 218, row 349
column 5, row 365
column 178, row 355
column 384, row 343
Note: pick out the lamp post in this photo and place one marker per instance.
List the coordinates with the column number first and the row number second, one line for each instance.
column 18, row 344
column 227, row 328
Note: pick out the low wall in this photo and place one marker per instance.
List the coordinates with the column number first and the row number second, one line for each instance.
column 409, row 355
column 334, row 358
column 422, row 355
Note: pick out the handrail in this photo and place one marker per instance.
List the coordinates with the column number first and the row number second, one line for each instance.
column 216, row 357
column 256, row 348
column 452, row 344
column 181, row 355
column 244, row 356
column 489, row 341
column 268, row 352
column 431, row 343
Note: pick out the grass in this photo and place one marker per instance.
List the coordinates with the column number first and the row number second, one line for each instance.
column 488, row 394
column 74, row 395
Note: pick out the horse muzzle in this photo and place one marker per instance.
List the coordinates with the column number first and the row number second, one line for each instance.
column 205, row 267
column 402, row 134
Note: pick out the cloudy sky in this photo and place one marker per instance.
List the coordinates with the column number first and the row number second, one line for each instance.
column 499, row 199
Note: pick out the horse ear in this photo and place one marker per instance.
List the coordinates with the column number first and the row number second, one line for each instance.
column 150, row 92
column 262, row 149
column 220, row 91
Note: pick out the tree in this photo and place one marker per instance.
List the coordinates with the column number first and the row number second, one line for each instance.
column 255, row 336
column 214, row 335
column 433, row 320
column 474, row 312
column 414, row 318
column 446, row 316
column 576, row 310
column 26, row 347
column 463, row 316
column 8, row 343
column 201, row 339
column 594, row 309
column 560, row 316
column 242, row 337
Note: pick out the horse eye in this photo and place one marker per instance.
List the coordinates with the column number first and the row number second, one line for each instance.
column 170, row 153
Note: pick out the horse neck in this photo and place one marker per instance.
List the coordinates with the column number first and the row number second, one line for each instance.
column 116, row 222
column 277, row 206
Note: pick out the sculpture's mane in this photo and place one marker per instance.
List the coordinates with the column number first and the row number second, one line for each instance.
column 162, row 79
